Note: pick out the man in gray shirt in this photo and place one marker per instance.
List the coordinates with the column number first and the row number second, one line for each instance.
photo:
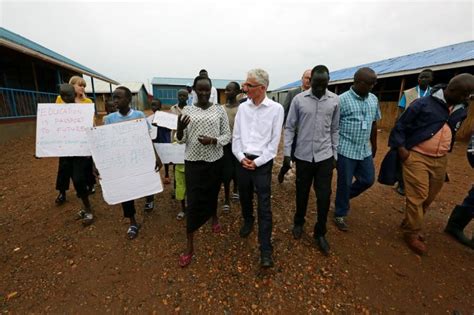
column 315, row 114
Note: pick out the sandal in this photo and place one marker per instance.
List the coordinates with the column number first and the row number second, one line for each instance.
column 235, row 197
column 81, row 214
column 60, row 199
column 216, row 228
column 149, row 206
column 87, row 219
column 132, row 231
column 185, row 260
column 180, row 216
column 225, row 208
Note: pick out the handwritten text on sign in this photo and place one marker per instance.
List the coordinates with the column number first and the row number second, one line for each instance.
column 125, row 158
column 166, row 120
column 170, row 152
column 61, row 129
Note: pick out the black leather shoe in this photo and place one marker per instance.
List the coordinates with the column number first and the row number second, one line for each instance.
column 297, row 231
column 281, row 176
column 266, row 260
column 246, row 229
column 323, row 245
column 60, row 199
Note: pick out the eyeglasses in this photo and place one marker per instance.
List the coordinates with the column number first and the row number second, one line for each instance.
column 248, row 85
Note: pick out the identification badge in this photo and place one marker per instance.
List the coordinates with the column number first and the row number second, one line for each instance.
column 364, row 125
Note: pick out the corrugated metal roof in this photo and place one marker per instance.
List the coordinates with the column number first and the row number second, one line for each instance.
column 100, row 87
column 217, row 83
column 8, row 37
column 104, row 87
column 433, row 58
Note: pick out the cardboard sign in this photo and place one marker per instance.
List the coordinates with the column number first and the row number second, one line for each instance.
column 61, row 129
column 166, row 120
column 170, row 152
column 125, row 158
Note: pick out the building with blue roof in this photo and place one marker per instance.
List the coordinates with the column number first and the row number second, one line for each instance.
column 455, row 56
column 166, row 89
column 394, row 75
column 31, row 74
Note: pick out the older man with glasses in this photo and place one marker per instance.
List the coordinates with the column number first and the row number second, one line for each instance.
column 257, row 131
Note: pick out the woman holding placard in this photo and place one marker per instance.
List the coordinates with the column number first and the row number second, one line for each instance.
column 204, row 129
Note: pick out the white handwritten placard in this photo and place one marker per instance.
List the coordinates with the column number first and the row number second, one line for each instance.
column 125, row 158
column 170, row 152
column 167, row 120
column 61, row 129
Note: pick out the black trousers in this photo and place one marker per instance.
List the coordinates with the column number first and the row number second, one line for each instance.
column 203, row 182
column 230, row 164
column 261, row 179
column 319, row 174
column 129, row 208
column 75, row 168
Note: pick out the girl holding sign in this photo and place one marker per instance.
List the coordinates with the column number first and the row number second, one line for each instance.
column 204, row 129
column 65, row 168
column 75, row 167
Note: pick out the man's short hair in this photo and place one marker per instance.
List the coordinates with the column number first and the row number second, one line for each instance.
column 127, row 91
column 260, row 75
column 320, row 69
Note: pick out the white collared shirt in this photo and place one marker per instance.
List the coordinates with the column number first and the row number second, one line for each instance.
column 257, row 130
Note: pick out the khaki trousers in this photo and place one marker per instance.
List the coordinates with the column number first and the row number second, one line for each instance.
column 423, row 176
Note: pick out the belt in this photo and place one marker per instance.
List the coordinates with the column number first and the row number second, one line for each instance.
column 251, row 156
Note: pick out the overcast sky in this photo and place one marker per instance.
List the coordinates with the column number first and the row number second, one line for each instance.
column 136, row 41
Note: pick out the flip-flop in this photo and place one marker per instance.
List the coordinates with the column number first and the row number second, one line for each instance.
column 132, row 231
column 180, row 216
column 87, row 219
column 216, row 228
column 185, row 260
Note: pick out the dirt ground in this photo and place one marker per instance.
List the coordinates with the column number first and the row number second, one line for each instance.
column 49, row 263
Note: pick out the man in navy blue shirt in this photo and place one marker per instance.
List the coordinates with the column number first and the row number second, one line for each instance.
column 423, row 136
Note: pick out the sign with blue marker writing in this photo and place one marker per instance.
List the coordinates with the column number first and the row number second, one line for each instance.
column 125, row 158
column 61, row 129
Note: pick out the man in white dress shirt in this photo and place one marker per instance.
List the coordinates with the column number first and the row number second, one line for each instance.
column 257, row 131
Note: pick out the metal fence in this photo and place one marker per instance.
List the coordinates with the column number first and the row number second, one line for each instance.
column 16, row 103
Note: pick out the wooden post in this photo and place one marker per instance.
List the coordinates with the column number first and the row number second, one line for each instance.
column 93, row 93
column 402, row 88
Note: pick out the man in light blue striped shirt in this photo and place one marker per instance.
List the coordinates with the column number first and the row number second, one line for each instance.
column 359, row 112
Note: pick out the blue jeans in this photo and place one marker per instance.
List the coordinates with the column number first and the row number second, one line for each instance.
column 364, row 173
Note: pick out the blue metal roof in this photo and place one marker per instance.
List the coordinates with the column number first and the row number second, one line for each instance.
column 426, row 59
column 22, row 41
column 217, row 83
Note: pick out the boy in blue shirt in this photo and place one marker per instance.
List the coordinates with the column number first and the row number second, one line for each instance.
column 122, row 97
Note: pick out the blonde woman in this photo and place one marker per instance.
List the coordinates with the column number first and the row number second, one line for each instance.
column 79, row 88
